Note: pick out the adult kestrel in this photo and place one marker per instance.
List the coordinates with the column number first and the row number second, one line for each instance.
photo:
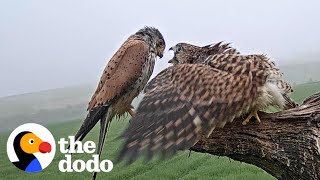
column 124, row 77
column 193, row 97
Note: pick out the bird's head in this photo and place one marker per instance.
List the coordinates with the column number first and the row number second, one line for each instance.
column 154, row 36
column 188, row 53
column 184, row 53
column 31, row 143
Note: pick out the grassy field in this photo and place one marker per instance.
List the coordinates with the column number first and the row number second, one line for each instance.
column 181, row 166
column 302, row 91
column 197, row 166
column 54, row 105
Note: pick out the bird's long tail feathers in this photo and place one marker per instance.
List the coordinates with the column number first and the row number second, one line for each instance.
column 91, row 120
column 289, row 103
column 285, row 89
column 104, row 124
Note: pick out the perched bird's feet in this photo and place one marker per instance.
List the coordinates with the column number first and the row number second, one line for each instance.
column 246, row 121
column 255, row 114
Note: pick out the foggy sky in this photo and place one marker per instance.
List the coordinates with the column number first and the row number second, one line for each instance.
column 51, row 44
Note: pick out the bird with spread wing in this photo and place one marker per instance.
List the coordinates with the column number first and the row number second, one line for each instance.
column 206, row 88
column 124, row 77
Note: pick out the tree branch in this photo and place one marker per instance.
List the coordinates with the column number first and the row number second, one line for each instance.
column 285, row 144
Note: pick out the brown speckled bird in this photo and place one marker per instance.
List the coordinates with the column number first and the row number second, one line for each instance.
column 193, row 97
column 124, row 77
column 188, row 53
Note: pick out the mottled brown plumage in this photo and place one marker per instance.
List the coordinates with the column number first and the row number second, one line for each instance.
column 195, row 54
column 191, row 54
column 197, row 95
column 124, row 77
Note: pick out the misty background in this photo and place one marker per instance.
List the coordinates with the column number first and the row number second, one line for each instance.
column 61, row 47
column 52, row 44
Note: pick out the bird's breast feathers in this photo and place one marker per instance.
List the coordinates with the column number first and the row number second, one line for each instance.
column 147, row 70
column 123, row 105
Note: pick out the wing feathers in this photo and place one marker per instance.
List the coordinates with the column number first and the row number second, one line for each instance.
column 186, row 101
column 91, row 120
column 181, row 104
column 130, row 59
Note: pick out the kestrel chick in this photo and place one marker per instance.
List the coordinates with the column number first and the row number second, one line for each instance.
column 192, row 54
column 197, row 95
column 276, row 93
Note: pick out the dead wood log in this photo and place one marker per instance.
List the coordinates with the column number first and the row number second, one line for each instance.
column 285, row 144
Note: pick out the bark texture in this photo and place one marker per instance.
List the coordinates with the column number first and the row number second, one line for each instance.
column 285, row 144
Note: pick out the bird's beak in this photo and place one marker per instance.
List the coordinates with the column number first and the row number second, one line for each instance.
column 160, row 55
column 171, row 49
column 170, row 61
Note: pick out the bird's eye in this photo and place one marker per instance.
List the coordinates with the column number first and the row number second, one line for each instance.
column 31, row 141
column 179, row 48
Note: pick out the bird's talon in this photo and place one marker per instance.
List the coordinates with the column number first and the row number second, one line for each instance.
column 245, row 122
column 254, row 114
column 257, row 117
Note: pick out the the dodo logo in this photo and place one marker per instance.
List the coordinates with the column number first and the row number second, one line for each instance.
column 31, row 147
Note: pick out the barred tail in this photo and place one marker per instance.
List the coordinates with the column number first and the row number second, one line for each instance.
column 289, row 103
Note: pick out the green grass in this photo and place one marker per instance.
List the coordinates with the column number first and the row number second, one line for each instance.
column 197, row 166
column 302, row 91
